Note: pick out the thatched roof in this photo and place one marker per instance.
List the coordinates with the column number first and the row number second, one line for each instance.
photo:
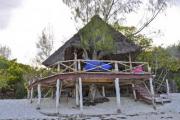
column 124, row 45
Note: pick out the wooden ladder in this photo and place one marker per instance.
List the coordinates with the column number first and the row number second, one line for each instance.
column 143, row 93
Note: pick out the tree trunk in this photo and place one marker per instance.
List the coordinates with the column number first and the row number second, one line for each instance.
column 93, row 93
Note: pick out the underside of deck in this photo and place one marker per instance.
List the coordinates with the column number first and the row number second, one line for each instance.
column 92, row 77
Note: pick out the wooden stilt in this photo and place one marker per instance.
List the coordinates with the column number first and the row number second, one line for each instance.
column 117, row 89
column 58, row 67
column 80, row 94
column 60, row 90
column 130, row 61
column 31, row 96
column 57, row 94
column 118, row 95
column 28, row 94
column 28, row 91
column 152, row 92
column 39, row 96
column 103, row 91
column 77, row 93
column 52, row 93
column 167, row 87
column 134, row 91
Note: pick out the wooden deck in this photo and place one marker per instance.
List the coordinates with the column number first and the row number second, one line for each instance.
column 71, row 70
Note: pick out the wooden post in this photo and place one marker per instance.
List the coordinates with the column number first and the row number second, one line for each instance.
column 58, row 67
column 130, row 61
column 57, row 94
column 167, row 87
column 31, row 96
column 117, row 89
column 39, row 96
column 116, row 67
column 75, row 61
column 80, row 94
column 79, row 65
column 77, row 93
column 118, row 95
column 134, row 91
column 149, row 69
column 152, row 92
column 103, row 91
column 28, row 91
column 60, row 89
column 52, row 93
column 151, row 86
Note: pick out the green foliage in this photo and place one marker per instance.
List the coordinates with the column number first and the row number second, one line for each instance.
column 174, row 50
column 96, row 37
column 161, row 57
column 139, row 39
column 15, row 76
column 20, row 90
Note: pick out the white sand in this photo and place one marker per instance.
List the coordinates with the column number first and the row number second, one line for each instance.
column 131, row 110
column 19, row 109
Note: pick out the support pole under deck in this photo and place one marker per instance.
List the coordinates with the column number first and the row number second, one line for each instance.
column 118, row 95
column 77, row 93
column 31, row 96
column 57, row 94
column 39, row 96
column 152, row 92
column 80, row 94
column 134, row 91
column 167, row 87
column 103, row 91
column 28, row 91
column 117, row 90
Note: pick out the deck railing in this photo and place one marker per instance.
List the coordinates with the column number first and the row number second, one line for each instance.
column 79, row 65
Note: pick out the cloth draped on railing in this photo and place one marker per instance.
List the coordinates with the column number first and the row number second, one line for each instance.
column 95, row 65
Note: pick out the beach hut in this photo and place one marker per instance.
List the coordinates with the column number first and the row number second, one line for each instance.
column 112, row 72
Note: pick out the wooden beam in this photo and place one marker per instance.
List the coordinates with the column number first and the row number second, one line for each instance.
column 151, row 86
column 88, row 80
column 80, row 94
column 134, row 91
column 92, row 75
column 118, row 95
column 167, row 87
column 39, row 96
column 31, row 96
column 152, row 92
column 57, row 94
column 52, row 92
column 28, row 91
column 58, row 67
column 77, row 93
column 60, row 91
column 103, row 91
column 79, row 65
column 130, row 61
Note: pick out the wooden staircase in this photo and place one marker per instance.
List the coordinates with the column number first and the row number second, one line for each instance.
column 144, row 94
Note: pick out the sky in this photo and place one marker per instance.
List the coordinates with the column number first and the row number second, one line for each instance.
column 21, row 23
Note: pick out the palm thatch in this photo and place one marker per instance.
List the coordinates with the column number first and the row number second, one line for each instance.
column 65, row 52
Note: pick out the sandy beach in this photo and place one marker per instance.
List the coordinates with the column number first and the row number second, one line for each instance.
column 131, row 110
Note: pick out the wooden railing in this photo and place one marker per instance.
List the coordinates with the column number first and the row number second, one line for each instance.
column 76, row 66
